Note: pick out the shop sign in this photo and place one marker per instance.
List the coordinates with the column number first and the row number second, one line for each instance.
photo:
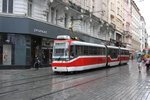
column 40, row 31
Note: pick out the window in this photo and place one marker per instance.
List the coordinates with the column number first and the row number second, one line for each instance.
column 30, row 8
column 113, row 53
column 118, row 11
column 52, row 15
column 47, row 15
column 66, row 20
column 86, row 50
column 7, row 6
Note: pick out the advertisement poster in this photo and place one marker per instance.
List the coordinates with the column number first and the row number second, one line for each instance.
column 7, row 54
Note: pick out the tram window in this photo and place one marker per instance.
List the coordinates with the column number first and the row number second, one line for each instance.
column 89, row 50
column 95, row 51
column 113, row 53
column 78, row 50
column 98, row 51
column 109, row 51
column 86, row 50
column 59, row 52
column 103, row 51
column 72, row 52
column 92, row 50
column 82, row 50
column 121, row 52
column 124, row 52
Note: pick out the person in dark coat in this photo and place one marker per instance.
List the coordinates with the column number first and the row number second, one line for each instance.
column 37, row 63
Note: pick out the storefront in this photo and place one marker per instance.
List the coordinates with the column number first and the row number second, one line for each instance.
column 21, row 39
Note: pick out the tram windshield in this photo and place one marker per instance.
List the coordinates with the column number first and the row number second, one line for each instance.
column 60, row 51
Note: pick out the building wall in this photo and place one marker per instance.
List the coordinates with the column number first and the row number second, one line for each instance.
column 112, row 11
column 135, row 26
column 20, row 7
column 119, row 15
column 143, row 33
column 127, row 23
column 101, row 9
column 0, row 5
column 116, row 17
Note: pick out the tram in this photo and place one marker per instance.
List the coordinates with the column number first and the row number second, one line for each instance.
column 73, row 55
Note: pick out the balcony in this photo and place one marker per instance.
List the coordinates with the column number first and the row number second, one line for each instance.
column 117, row 43
column 127, row 34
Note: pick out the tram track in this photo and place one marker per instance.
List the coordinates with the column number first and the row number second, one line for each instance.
column 69, row 87
column 54, row 83
column 42, row 76
column 85, row 76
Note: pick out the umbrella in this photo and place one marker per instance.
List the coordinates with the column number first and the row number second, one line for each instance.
column 140, row 53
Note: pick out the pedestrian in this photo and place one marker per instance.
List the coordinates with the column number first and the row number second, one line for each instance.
column 37, row 63
column 139, row 61
column 147, row 62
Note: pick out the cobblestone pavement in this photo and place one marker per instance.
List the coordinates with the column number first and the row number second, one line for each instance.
column 117, row 83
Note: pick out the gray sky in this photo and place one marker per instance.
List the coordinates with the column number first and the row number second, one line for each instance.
column 144, row 6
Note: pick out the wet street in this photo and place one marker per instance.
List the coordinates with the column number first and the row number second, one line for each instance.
column 117, row 83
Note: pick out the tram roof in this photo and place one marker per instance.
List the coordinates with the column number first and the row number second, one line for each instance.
column 124, row 48
column 86, row 44
column 114, row 47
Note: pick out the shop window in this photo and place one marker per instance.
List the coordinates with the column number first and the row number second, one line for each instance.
column 1, row 54
column 52, row 15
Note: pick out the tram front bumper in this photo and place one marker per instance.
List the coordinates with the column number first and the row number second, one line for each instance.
column 59, row 69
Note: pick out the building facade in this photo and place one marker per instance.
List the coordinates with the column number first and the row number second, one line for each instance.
column 135, row 26
column 112, row 16
column 119, row 20
column 127, row 39
column 143, row 34
column 116, row 18
column 28, row 27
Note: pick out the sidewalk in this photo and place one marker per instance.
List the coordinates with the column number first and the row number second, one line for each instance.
column 17, row 74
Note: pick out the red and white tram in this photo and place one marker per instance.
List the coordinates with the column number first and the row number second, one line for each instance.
column 72, row 55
